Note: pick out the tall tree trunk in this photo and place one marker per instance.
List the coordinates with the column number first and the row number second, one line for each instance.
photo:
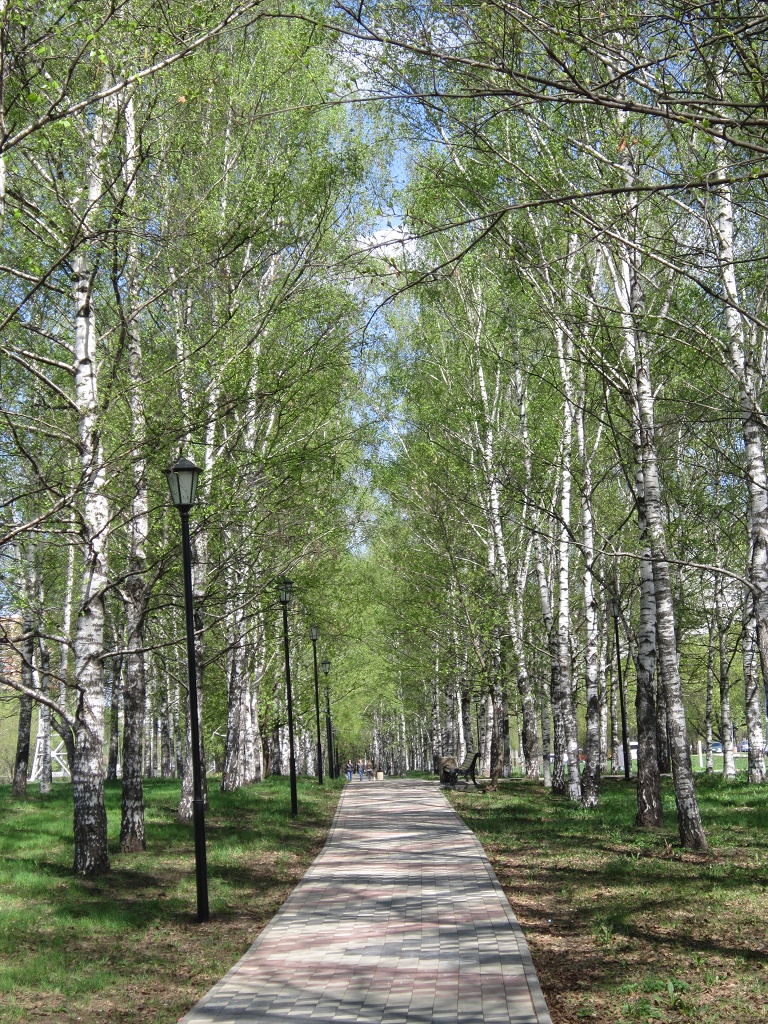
column 628, row 287
column 44, row 721
column 466, row 716
column 90, row 816
column 613, row 656
column 199, row 552
column 61, row 726
column 649, row 806
column 558, row 726
column 235, row 771
column 432, row 695
column 590, row 780
column 113, row 756
column 21, row 763
column 132, row 834
column 603, row 677
column 546, row 738
column 166, row 737
column 710, row 693
column 505, row 741
column 137, row 590
column 750, row 405
column 496, row 749
column 721, row 620
column 662, row 732
column 755, row 734
column 688, row 816
column 566, row 689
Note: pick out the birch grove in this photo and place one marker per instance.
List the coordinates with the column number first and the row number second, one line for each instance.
column 478, row 360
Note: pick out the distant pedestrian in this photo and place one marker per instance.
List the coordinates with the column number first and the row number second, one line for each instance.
column 360, row 768
column 349, row 769
column 369, row 769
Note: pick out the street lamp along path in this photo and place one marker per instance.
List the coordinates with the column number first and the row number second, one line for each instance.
column 325, row 665
column 314, row 633
column 182, row 478
column 284, row 593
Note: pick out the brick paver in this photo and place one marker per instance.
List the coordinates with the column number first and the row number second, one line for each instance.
column 399, row 920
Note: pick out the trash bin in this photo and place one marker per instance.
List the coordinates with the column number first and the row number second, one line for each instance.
column 379, row 776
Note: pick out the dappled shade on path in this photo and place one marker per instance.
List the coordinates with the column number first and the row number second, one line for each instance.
column 400, row 918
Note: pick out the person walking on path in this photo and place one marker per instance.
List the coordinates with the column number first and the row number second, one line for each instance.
column 349, row 769
column 360, row 767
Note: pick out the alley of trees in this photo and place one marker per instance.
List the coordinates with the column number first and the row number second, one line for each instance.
column 461, row 308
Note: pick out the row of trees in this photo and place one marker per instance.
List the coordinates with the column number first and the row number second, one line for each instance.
column 576, row 370
column 180, row 206
column 568, row 376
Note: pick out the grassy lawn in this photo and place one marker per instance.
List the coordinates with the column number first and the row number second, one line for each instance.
column 125, row 948
column 623, row 926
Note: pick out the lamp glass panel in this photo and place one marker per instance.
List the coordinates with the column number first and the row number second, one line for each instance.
column 187, row 485
column 326, row 666
column 182, row 482
column 314, row 632
column 285, row 589
column 173, row 486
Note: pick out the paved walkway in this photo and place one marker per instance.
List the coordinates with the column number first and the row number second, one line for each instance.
column 399, row 920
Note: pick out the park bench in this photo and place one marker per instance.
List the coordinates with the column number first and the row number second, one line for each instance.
column 465, row 769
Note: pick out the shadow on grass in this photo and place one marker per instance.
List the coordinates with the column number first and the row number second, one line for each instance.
column 103, row 949
column 606, row 905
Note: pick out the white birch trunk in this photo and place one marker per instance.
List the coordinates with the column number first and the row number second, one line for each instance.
column 557, row 772
column 136, row 593
column 629, row 292
column 755, row 734
column 729, row 764
column 708, row 707
column 566, row 683
column 750, row 407
column 602, row 675
column 21, row 763
column 649, row 805
column 590, row 780
column 688, row 817
column 44, row 721
column 90, row 818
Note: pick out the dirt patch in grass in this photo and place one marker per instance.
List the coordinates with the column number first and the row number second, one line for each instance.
column 125, row 948
column 623, row 925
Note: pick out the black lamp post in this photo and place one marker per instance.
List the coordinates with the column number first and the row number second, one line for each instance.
column 326, row 667
column 182, row 482
column 615, row 609
column 285, row 590
column 313, row 635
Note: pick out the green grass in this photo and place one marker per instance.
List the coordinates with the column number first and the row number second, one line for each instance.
column 125, row 947
column 624, row 926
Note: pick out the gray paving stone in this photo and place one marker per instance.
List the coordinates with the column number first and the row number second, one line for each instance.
column 399, row 920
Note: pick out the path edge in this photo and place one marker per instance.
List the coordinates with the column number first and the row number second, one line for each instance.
column 213, row 991
column 531, row 977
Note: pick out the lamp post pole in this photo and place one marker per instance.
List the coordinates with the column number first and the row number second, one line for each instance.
column 326, row 667
column 182, row 480
column 313, row 634
column 624, row 739
column 286, row 589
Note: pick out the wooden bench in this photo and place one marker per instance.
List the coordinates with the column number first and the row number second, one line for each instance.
column 465, row 769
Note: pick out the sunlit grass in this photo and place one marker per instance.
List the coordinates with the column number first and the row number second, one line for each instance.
column 625, row 926
column 125, row 947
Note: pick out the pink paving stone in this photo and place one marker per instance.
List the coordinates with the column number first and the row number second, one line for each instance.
column 399, row 919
